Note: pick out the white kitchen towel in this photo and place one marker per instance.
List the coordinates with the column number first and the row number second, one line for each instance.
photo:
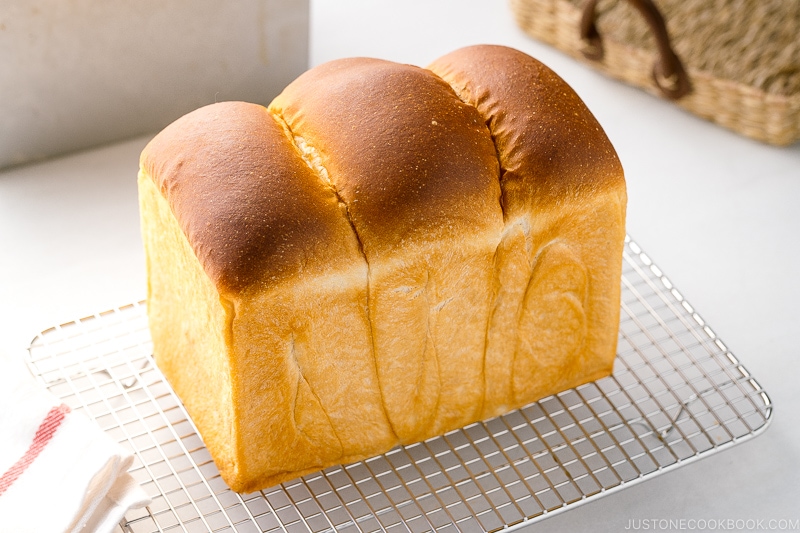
column 58, row 470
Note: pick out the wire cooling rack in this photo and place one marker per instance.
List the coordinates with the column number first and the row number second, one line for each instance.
column 677, row 394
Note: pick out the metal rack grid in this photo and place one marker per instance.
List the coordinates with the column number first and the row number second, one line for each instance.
column 677, row 394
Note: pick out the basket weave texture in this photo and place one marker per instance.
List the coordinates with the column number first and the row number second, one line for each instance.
column 742, row 56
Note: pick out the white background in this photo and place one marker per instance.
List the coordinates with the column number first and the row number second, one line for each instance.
column 718, row 213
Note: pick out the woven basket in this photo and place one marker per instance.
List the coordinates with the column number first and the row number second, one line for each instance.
column 740, row 58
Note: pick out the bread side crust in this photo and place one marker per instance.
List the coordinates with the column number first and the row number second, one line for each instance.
column 191, row 349
column 554, row 323
column 260, row 372
column 305, row 377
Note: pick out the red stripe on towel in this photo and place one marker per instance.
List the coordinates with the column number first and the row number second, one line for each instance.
column 43, row 435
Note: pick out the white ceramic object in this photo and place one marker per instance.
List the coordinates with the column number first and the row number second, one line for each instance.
column 82, row 73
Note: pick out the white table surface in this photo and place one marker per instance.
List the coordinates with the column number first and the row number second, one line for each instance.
column 718, row 213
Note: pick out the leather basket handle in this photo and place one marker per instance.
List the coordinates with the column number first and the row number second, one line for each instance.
column 668, row 73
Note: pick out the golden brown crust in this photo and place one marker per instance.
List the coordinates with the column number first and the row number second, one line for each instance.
column 410, row 160
column 550, row 146
column 249, row 205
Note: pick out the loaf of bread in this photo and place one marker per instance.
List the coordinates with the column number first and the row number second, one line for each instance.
column 384, row 254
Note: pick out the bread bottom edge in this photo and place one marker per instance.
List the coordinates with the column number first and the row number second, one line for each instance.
column 246, row 486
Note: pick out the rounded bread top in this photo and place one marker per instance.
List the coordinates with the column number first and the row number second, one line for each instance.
column 410, row 160
column 248, row 204
column 361, row 156
column 550, row 146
